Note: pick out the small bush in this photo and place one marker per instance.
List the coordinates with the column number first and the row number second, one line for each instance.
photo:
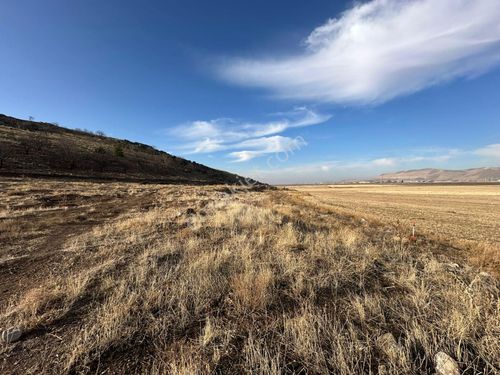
column 119, row 151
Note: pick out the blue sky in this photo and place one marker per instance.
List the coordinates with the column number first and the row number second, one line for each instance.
column 283, row 91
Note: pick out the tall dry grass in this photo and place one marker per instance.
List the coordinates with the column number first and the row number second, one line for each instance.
column 257, row 283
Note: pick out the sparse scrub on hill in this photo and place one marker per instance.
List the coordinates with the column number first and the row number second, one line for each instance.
column 257, row 283
column 118, row 151
column 30, row 148
column 100, row 150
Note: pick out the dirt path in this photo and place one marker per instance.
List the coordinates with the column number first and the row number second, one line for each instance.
column 28, row 258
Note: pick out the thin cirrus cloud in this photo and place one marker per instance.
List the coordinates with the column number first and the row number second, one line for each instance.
column 490, row 151
column 244, row 141
column 267, row 145
column 380, row 50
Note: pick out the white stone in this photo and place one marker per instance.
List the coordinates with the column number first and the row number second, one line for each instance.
column 11, row 335
column 445, row 365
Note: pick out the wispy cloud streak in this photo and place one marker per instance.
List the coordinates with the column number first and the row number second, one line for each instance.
column 246, row 140
column 379, row 50
column 489, row 151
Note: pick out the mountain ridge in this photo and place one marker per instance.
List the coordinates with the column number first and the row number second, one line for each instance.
column 481, row 174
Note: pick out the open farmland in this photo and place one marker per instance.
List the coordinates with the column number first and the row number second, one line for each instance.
column 465, row 216
column 115, row 278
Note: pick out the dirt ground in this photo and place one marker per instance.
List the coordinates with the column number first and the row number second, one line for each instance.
column 38, row 218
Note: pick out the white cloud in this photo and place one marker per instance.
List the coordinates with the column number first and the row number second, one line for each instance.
column 208, row 145
column 489, row 151
column 382, row 49
column 249, row 140
column 384, row 162
column 204, row 129
column 268, row 145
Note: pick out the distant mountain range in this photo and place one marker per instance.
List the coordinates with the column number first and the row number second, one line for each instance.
column 491, row 174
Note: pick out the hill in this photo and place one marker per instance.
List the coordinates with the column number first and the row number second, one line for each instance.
column 42, row 149
column 443, row 175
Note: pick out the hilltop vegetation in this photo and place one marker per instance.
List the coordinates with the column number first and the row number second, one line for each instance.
column 41, row 149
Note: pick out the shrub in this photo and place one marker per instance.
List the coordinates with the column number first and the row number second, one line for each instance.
column 119, row 151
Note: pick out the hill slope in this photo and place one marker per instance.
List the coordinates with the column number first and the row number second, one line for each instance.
column 43, row 149
column 442, row 175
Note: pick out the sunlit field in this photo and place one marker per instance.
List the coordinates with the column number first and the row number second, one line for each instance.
column 130, row 278
column 466, row 216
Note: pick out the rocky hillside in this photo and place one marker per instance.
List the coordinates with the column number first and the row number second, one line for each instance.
column 41, row 149
column 442, row 175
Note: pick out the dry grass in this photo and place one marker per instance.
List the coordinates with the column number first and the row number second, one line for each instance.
column 466, row 216
column 200, row 282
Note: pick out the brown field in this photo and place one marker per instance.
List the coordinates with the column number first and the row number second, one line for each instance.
column 123, row 278
column 465, row 216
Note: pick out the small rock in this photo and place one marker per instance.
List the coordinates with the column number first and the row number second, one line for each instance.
column 11, row 335
column 445, row 365
column 190, row 211
column 388, row 345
